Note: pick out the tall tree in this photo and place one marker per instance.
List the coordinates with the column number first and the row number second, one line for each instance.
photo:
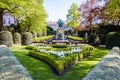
column 91, row 12
column 73, row 17
column 36, row 22
column 32, row 12
column 113, row 10
column 12, row 6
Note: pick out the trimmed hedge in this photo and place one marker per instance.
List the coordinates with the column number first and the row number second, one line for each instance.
column 62, row 64
column 75, row 38
column 17, row 38
column 6, row 38
column 26, row 38
column 112, row 39
column 41, row 39
column 49, row 59
column 59, row 45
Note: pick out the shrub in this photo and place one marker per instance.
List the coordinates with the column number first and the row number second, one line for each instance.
column 59, row 45
column 59, row 67
column 30, row 48
column 6, row 38
column 26, row 38
column 75, row 38
column 112, row 39
column 17, row 38
column 93, row 39
column 41, row 39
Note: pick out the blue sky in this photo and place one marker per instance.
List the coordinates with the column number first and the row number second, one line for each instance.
column 58, row 8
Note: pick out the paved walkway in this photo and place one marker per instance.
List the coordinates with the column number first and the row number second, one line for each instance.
column 10, row 68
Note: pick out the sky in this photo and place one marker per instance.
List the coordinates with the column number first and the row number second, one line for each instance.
column 58, row 9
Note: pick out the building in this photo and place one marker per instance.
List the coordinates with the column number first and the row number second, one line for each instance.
column 8, row 19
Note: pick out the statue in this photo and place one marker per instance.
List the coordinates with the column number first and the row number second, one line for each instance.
column 60, row 31
column 60, row 23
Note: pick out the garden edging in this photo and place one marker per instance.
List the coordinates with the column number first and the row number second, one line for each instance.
column 108, row 68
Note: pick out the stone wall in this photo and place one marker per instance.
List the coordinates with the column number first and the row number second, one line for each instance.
column 10, row 68
column 108, row 68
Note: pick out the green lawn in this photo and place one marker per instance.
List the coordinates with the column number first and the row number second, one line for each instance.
column 40, row 71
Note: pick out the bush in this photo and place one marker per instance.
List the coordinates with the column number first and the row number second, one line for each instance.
column 6, row 38
column 17, row 38
column 60, row 64
column 26, row 38
column 75, row 38
column 59, row 67
column 112, row 39
column 93, row 39
column 42, row 39
column 59, row 45
column 31, row 48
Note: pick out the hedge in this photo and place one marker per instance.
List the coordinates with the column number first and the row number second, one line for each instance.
column 62, row 64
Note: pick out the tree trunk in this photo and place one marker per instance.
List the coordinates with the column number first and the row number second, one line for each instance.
column 1, row 19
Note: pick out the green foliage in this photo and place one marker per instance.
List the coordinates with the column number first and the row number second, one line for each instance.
column 73, row 16
column 33, row 15
column 103, row 30
column 93, row 39
column 112, row 39
column 30, row 48
column 6, row 38
column 60, row 45
column 113, row 9
column 43, row 38
column 17, row 38
column 75, row 38
column 49, row 59
column 26, row 38
column 38, row 68
column 60, row 64
column 50, row 31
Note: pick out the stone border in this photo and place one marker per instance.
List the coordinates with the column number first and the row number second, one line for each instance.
column 10, row 67
column 108, row 68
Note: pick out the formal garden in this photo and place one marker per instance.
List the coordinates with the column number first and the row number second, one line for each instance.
column 72, row 51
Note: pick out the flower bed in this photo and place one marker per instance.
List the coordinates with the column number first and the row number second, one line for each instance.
column 60, row 60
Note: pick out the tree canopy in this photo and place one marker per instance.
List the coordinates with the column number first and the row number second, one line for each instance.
column 113, row 9
column 31, row 12
column 73, row 16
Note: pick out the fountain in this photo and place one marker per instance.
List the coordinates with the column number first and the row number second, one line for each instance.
column 60, row 33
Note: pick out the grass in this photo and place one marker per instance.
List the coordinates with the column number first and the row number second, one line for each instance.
column 40, row 71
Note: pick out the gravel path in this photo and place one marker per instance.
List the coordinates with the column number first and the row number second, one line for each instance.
column 10, row 68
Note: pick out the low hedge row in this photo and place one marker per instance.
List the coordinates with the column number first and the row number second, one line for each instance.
column 41, row 39
column 49, row 59
column 75, row 38
column 62, row 64
column 59, row 45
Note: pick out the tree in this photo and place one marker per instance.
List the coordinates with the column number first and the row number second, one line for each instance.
column 73, row 17
column 12, row 6
column 36, row 22
column 31, row 12
column 91, row 12
column 113, row 10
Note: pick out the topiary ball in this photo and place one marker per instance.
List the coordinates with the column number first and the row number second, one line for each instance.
column 26, row 38
column 17, row 38
column 6, row 38
column 112, row 39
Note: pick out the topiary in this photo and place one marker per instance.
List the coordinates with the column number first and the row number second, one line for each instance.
column 17, row 38
column 6, row 38
column 112, row 39
column 26, row 38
